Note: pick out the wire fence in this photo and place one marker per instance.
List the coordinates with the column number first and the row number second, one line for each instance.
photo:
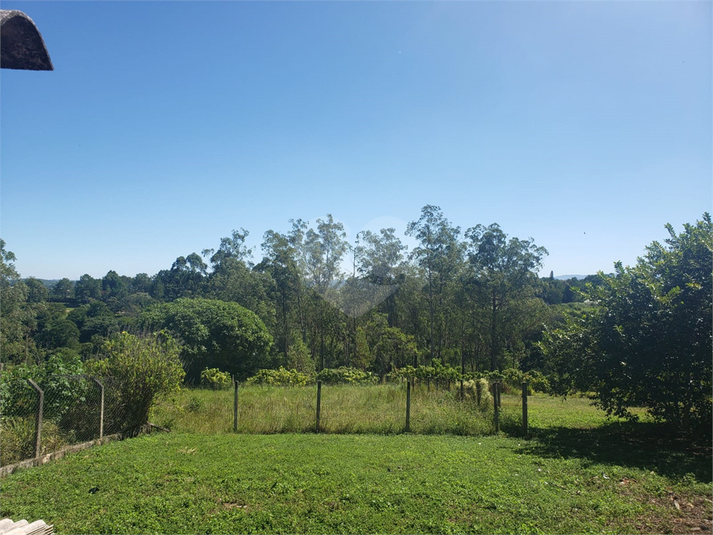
column 63, row 410
column 334, row 408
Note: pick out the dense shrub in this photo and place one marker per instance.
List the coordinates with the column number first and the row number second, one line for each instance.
column 140, row 369
column 279, row 377
column 60, row 378
column 215, row 379
column 537, row 381
column 215, row 334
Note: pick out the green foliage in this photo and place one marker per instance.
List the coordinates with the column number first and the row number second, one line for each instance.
column 649, row 343
column 215, row 334
column 299, row 357
column 537, row 381
column 345, row 375
column 215, row 379
column 140, row 370
column 60, row 378
column 279, row 377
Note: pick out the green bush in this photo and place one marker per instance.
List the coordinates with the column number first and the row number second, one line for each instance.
column 538, row 381
column 60, row 378
column 279, row 377
column 215, row 379
column 346, row 376
column 140, row 369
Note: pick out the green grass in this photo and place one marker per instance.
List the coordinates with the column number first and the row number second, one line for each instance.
column 344, row 409
column 578, row 472
column 308, row 483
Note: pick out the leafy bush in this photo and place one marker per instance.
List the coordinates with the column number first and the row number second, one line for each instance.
column 215, row 334
column 435, row 372
column 346, row 376
column 649, row 343
column 537, row 381
column 142, row 369
column 60, row 378
column 215, row 379
column 279, row 377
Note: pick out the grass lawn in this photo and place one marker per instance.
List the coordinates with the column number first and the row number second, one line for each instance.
column 578, row 473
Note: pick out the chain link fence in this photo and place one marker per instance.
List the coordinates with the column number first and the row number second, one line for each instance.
column 63, row 410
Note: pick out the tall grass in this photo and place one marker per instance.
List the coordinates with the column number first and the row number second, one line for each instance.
column 344, row 409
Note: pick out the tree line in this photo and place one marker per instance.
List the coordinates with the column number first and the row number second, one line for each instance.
column 470, row 299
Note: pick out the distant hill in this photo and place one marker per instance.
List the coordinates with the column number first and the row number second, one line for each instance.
column 567, row 277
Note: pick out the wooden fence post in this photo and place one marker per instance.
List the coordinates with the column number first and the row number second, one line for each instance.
column 101, row 407
column 319, row 404
column 38, row 419
column 408, row 406
column 524, row 407
column 496, row 414
column 235, row 407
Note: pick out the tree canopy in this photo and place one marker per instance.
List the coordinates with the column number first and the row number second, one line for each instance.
column 649, row 342
column 215, row 334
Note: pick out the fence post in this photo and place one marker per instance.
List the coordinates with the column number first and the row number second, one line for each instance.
column 101, row 407
column 319, row 403
column 524, row 407
column 38, row 421
column 499, row 394
column 235, row 406
column 408, row 406
column 496, row 414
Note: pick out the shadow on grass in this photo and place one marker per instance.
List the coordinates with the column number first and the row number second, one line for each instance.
column 647, row 446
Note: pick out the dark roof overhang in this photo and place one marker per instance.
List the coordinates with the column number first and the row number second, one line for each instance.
column 21, row 44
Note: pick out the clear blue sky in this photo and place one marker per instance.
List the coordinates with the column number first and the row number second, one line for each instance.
column 165, row 125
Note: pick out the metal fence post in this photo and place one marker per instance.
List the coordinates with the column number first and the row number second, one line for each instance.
column 319, row 404
column 38, row 421
column 408, row 406
column 524, row 407
column 496, row 397
column 101, row 407
column 235, row 407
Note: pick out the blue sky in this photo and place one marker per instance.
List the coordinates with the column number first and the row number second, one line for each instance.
column 165, row 125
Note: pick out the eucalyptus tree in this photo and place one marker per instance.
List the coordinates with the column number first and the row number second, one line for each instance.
column 323, row 249
column 501, row 270
column 379, row 260
column 281, row 262
column 440, row 255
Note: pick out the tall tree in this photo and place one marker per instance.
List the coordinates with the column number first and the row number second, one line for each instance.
column 501, row 269
column 63, row 290
column 88, row 288
column 439, row 254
